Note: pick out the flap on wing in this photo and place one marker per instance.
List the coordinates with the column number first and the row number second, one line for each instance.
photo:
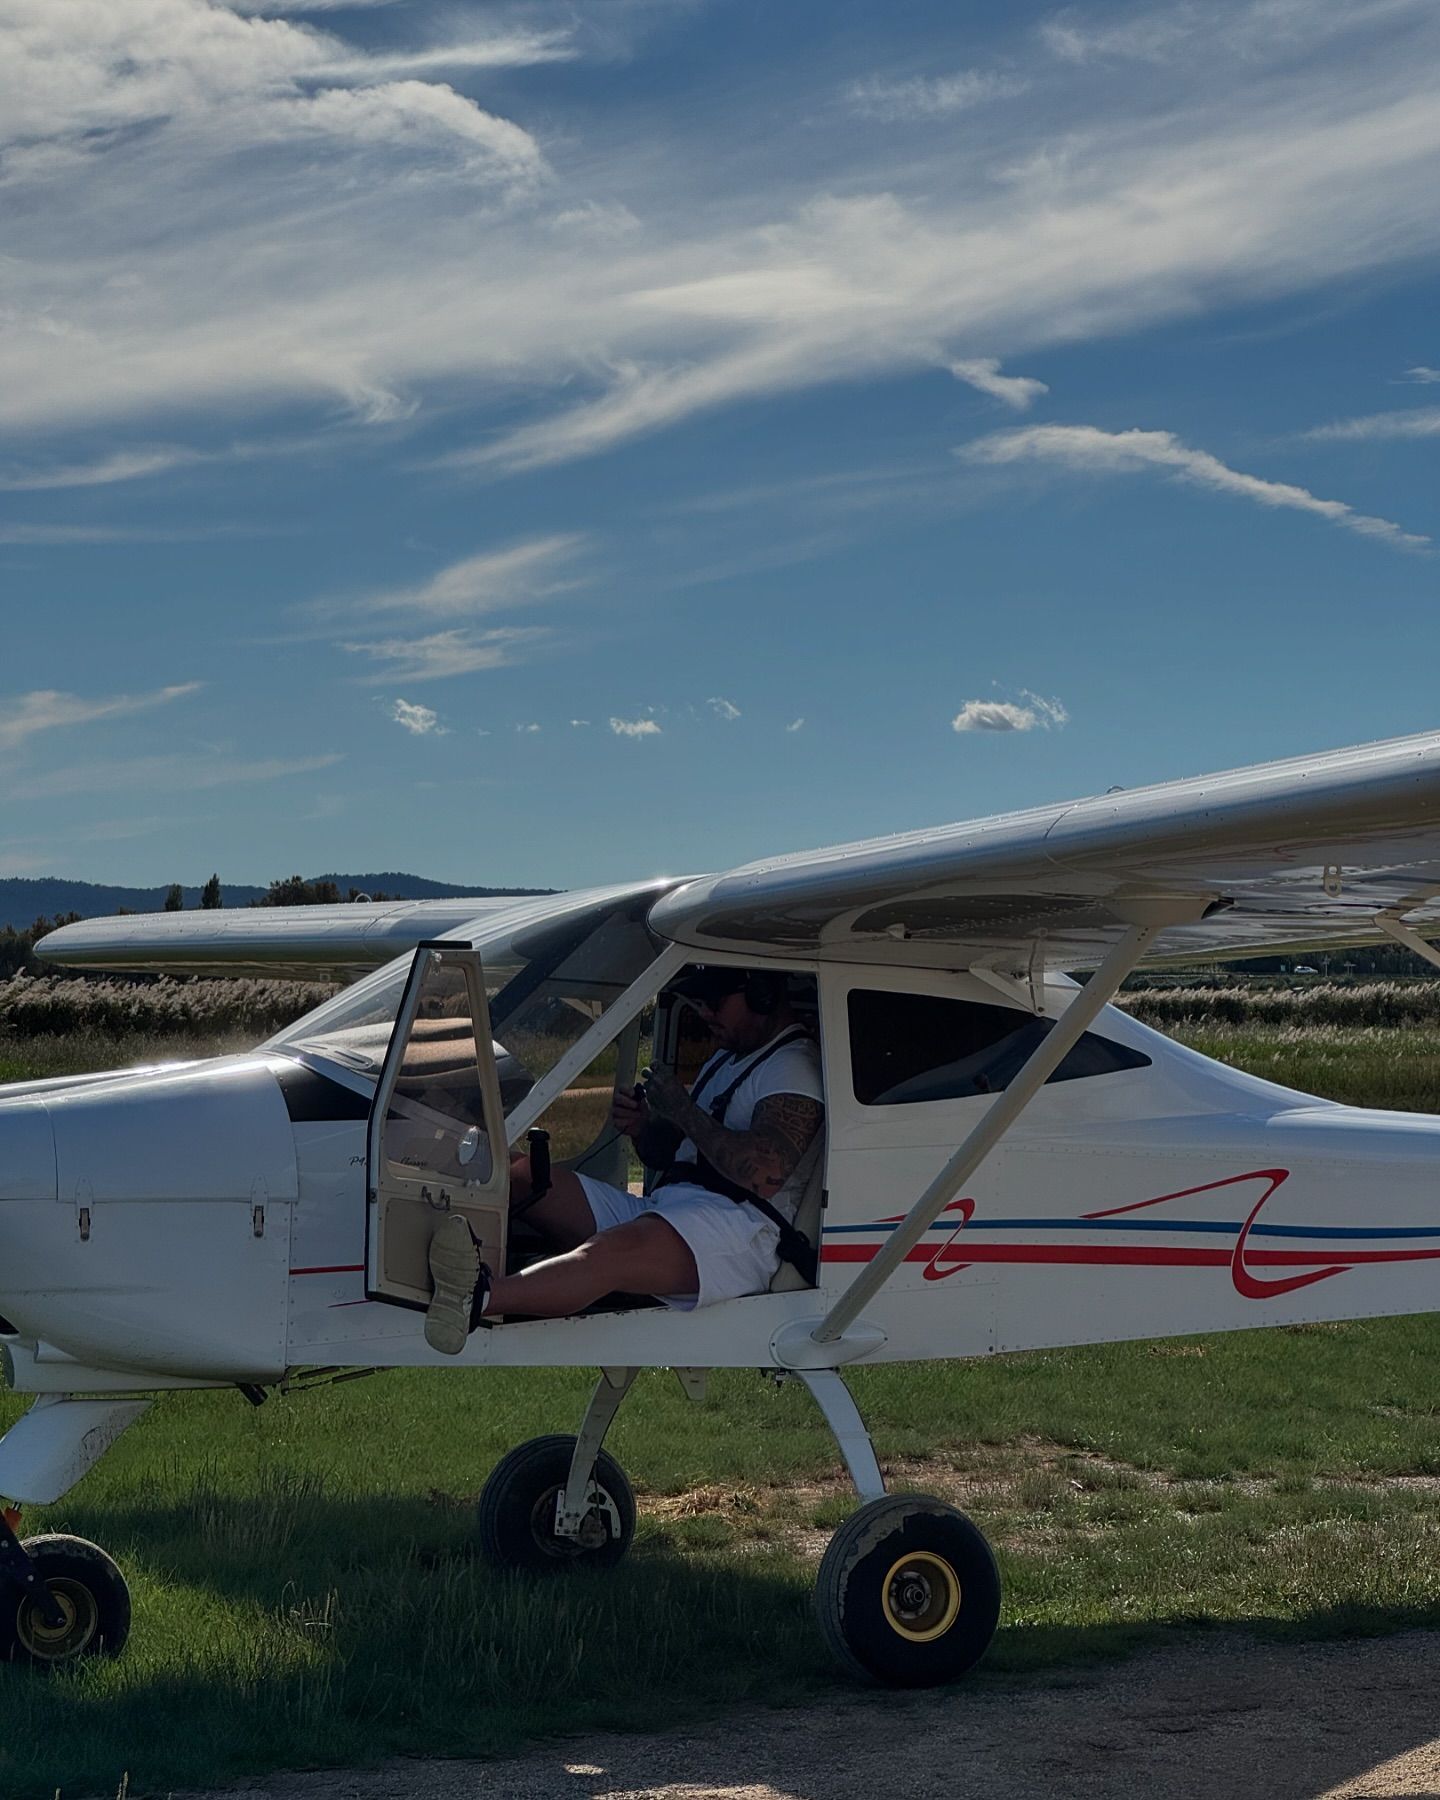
column 296, row 943
column 1283, row 855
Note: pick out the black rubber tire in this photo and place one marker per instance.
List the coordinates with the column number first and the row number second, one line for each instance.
column 860, row 1597
column 517, row 1505
column 90, row 1589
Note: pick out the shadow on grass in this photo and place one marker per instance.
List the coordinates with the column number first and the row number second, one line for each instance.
column 291, row 1628
column 288, row 1629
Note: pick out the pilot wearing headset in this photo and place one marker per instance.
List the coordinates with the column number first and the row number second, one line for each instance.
column 735, row 1153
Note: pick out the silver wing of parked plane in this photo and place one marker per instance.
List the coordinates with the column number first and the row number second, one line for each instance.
column 1317, row 851
column 308, row 943
column 1313, row 852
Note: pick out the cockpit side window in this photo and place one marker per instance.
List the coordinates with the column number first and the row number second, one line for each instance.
column 909, row 1048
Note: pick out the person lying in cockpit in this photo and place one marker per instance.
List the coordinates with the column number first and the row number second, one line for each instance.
column 735, row 1153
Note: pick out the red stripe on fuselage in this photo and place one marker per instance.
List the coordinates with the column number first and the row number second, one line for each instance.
column 1128, row 1255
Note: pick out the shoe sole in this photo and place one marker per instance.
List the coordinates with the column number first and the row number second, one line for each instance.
column 454, row 1270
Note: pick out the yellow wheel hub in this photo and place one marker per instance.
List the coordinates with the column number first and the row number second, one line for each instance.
column 921, row 1596
column 80, row 1619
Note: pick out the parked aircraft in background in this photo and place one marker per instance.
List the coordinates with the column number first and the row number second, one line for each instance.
column 1009, row 1161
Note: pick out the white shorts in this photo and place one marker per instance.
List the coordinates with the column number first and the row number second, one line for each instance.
column 736, row 1248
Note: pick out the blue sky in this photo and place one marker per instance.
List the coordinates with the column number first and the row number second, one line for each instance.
column 551, row 444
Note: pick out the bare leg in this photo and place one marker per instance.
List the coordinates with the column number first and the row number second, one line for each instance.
column 643, row 1256
column 562, row 1215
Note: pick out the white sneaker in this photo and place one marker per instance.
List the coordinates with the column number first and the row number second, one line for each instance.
column 455, row 1273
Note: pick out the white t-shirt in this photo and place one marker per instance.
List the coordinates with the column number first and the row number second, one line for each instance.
column 792, row 1069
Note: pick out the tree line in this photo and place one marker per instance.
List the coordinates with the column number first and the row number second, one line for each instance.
column 291, row 890
column 17, row 947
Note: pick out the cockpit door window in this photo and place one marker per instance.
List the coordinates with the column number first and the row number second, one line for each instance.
column 437, row 1127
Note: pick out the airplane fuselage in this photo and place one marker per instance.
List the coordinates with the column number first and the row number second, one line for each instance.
column 206, row 1223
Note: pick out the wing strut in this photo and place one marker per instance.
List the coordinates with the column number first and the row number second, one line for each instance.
column 603, row 1032
column 1412, row 940
column 1029, row 1079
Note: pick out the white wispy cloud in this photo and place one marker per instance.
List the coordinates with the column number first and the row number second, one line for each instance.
column 515, row 50
column 1421, row 376
column 47, row 709
column 635, row 728
column 795, row 724
column 1417, row 422
column 639, row 400
column 1088, row 449
column 422, row 721
column 930, row 96
column 404, row 115
column 307, row 6
column 442, row 653
column 605, row 219
column 39, row 535
column 527, row 729
column 173, row 774
column 120, row 465
column 578, row 722
column 275, row 239
column 983, row 372
column 1007, row 715
column 1187, row 30
column 1143, row 37
column 722, row 708
column 102, row 66
column 489, row 581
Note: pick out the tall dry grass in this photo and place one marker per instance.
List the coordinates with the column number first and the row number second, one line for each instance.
column 58, row 1005
column 1386, row 1004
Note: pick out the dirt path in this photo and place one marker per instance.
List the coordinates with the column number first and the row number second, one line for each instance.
column 1219, row 1718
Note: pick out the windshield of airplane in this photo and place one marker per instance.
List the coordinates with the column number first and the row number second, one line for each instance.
column 547, row 981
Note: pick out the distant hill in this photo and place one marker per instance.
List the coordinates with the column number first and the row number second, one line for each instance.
column 23, row 901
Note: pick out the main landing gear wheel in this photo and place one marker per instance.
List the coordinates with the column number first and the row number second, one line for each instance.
column 908, row 1593
column 517, row 1510
column 92, row 1598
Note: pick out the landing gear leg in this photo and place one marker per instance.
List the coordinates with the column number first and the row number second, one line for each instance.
column 827, row 1387
column 20, row 1575
column 908, row 1593
column 610, row 1391
column 558, row 1501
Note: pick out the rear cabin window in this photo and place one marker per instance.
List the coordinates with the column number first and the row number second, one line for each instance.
column 906, row 1048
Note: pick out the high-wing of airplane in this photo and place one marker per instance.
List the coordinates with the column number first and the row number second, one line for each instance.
column 1008, row 1160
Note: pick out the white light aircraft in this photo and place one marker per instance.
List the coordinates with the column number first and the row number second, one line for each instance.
column 1009, row 1161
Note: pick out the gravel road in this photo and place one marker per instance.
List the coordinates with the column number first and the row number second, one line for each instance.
column 1219, row 1717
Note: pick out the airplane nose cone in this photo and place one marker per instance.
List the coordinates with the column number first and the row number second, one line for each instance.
column 27, row 1152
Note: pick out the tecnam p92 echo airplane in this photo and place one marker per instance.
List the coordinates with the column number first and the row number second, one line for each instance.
column 1008, row 1161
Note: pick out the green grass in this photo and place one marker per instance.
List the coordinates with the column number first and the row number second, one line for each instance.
column 306, row 1589
column 1373, row 1065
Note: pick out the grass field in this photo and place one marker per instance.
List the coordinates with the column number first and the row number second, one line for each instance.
column 306, row 1590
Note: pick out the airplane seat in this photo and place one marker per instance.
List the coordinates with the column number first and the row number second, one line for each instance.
column 808, row 1217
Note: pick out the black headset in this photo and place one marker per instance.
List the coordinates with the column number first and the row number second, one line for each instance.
column 765, row 993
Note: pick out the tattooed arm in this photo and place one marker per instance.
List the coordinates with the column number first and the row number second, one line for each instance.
column 761, row 1159
column 655, row 1140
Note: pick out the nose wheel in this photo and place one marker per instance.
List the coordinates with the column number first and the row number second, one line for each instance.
column 908, row 1593
column 79, row 1605
column 518, row 1507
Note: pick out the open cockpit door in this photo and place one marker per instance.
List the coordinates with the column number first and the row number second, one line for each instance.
column 437, row 1128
